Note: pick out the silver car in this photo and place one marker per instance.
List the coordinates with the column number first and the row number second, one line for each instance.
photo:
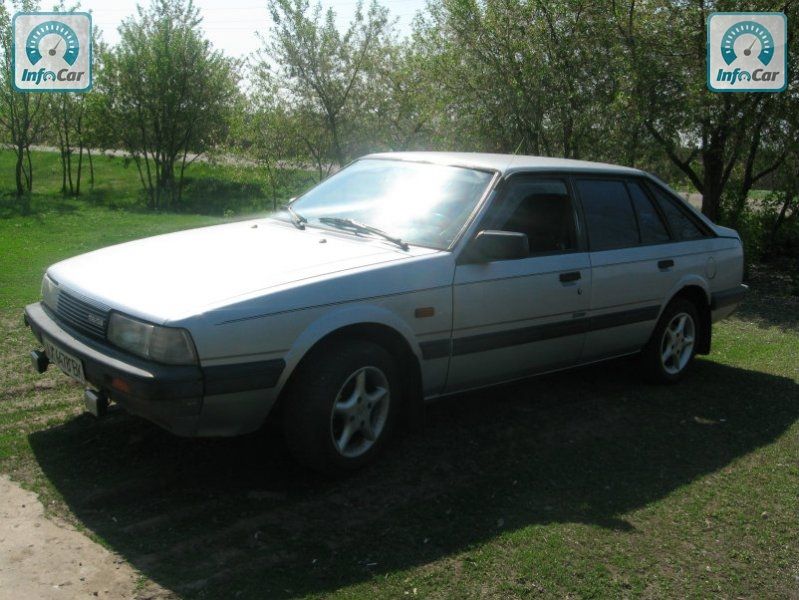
column 402, row 278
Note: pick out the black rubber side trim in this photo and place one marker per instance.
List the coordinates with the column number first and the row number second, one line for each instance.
column 627, row 317
column 537, row 333
column 241, row 377
column 516, row 337
column 435, row 349
column 728, row 297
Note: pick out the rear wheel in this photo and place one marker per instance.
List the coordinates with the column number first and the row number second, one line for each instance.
column 341, row 408
column 672, row 347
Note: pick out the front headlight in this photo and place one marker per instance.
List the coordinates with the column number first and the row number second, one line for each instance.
column 49, row 293
column 169, row 345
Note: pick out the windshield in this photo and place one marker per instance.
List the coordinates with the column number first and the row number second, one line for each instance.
column 420, row 203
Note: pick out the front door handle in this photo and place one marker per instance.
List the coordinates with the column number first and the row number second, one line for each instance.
column 570, row 276
column 665, row 264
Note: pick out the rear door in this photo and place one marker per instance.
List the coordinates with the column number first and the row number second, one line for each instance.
column 512, row 318
column 631, row 264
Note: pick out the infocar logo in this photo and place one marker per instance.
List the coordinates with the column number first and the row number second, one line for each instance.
column 52, row 52
column 747, row 52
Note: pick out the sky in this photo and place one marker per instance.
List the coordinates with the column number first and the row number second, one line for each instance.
column 231, row 24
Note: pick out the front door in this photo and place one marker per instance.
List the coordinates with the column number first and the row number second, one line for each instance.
column 513, row 318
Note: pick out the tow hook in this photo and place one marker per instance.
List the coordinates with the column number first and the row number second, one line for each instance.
column 96, row 402
column 39, row 361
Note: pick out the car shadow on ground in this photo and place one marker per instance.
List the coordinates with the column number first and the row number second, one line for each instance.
column 224, row 516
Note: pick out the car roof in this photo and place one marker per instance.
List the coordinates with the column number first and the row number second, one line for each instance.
column 506, row 163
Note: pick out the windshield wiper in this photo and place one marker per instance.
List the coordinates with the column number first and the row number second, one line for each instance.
column 357, row 226
column 296, row 218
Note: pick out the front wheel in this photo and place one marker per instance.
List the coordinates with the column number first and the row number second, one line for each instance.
column 342, row 405
column 672, row 347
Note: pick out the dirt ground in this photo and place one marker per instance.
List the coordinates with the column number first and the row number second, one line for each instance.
column 44, row 558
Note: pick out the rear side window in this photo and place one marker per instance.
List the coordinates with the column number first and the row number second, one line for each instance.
column 681, row 224
column 653, row 230
column 609, row 214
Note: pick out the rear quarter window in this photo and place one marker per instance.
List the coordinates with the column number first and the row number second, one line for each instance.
column 681, row 223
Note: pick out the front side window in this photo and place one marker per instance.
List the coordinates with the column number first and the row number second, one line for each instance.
column 609, row 215
column 420, row 203
column 542, row 210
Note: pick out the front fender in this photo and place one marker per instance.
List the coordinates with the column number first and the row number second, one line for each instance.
column 340, row 318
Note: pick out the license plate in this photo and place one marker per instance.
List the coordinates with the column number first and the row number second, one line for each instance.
column 65, row 361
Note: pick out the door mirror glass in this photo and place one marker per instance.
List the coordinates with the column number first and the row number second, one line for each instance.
column 491, row 245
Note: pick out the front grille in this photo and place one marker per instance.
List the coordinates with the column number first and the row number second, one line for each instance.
column 82, row 314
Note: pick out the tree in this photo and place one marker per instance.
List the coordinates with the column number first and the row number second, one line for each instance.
column 76, row 120
column 708, row 136
column 263, row 131
column 66, row 119
column 321, row 69
column 170, row 95
column 399, row 104
column 21, row 114
column 525, row 76
column 97, row 127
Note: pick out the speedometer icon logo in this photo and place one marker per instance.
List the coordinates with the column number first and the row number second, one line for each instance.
column 758, row 39
column 58, row 38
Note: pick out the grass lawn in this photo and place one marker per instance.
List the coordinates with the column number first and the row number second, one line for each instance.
column 209, row 189
column 582, row 484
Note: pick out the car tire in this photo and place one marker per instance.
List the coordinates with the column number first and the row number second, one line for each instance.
column 342, row 406
column 670, row 351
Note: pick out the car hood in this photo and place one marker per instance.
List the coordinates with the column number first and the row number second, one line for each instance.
column 173, row 276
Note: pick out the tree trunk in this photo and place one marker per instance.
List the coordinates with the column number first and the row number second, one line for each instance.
column 713, row 184
column 18, row 170
column 69, row 164
column 91, row 166
column 63, row 155
column 336, row 143
column 80, row 168
column 29, row 176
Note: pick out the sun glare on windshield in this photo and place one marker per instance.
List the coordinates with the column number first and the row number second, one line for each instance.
column 421, row 203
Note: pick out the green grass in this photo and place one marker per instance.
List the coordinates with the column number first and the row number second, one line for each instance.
column 587, row 484
column 209, row 189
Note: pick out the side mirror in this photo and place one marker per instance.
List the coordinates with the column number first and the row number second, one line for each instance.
column 490, row 245
column 290, row 200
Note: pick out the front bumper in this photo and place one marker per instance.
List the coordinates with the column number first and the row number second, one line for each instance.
column 170, row 396
column 215, row 400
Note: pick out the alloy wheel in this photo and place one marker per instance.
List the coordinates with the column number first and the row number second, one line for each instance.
column 360, row 411
column 677, row 345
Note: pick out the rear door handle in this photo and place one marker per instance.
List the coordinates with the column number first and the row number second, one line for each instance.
column 570, row 276
column 665, row 264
